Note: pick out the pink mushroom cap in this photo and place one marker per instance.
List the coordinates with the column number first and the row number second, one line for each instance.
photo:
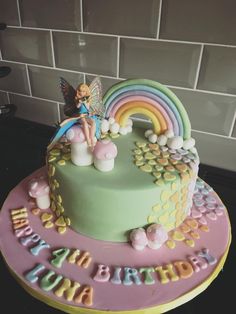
column 105, row 150
column 75, row 134
column 38, row 187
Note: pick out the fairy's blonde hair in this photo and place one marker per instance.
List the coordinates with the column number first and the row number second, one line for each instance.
column 85, row 88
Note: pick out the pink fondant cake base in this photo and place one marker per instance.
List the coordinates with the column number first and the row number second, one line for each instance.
column 108, row 296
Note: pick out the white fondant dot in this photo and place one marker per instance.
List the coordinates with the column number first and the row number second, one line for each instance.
column 114, row 128
column 147, row 133
column 162, row 140
column 152, row 138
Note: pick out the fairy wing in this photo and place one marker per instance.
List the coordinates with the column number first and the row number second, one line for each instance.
column 69, row 94
column 96, row 103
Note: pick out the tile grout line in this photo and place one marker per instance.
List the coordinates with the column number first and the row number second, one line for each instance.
column 126, row 36
column 52, row 50
column 233, row 124
column 8, row 97
column 112, row 77
column 81, row 16
column 29, row 96
column 215, row 134
column 28, row 78
column 198, row 68
column 118, row 58
column 18, row 10
column 61, row 69
column 159, row 20
column 58, row 112
column 200, row 91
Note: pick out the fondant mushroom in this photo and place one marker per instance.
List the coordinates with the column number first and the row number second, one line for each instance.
column 81, row 154
column 39, row 189
column 156, row 235
column 104, row 153
column 138, row 239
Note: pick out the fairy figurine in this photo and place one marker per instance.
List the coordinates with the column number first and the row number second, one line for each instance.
column 84, row 105
column 87, row 116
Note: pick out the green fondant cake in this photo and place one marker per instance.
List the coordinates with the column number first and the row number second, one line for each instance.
column 131, row 178
column 107, row 206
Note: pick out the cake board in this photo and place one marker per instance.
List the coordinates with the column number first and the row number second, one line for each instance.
column 155, row 297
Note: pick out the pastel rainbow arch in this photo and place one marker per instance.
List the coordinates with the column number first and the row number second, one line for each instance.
column 151, row 99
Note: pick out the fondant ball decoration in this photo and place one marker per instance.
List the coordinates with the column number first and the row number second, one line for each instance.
column 152, row 138
column 149, row 98
column 112, row 127
column 175, row 142
column 189, row 143
column 162, row 140
column 138, row 239
column 154, row 237
column 105, row 126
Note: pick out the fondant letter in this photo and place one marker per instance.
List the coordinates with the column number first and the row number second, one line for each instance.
column 131, row 273
column 148, row 280
column 103, row 274
column 60, row 256
column 85, row 296
column 19, row 223
column 18, row 211
column 84, row 260
column 168, row 270
column 184, row 269
column 31, row 275
column 24, row 231
column 72, row 258
column 116, row 276
column 197, row 263
column 68, row 289
column 40, row 246
column 211, row 260
column 31, row 238
column 45, row 283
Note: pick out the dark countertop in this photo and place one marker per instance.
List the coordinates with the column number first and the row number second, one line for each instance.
column 23, row 147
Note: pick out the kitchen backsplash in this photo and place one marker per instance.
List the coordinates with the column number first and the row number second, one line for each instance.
column 188, row 45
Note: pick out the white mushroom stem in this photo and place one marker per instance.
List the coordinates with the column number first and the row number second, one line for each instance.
column 43, row 202
column 104, row 165
column 81, row 154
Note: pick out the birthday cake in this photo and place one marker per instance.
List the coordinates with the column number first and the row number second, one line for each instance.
column 118, row 219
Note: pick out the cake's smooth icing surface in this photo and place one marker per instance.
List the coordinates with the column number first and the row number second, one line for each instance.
column 155, row 296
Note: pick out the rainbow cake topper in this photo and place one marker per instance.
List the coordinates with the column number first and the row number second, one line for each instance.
column 151, row 99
